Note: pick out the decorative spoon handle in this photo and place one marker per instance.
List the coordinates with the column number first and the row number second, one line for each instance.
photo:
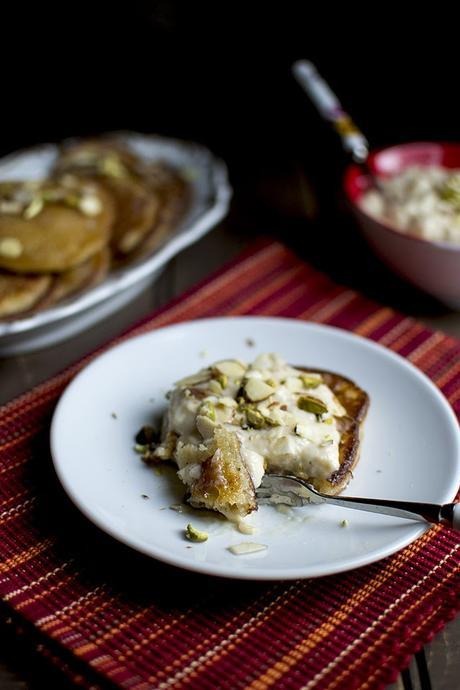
column 329, row 107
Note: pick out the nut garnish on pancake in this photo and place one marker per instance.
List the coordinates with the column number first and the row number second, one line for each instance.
column 145, row 196
column 52, row 226
column 231, row 422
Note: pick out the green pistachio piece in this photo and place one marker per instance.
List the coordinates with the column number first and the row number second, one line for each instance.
column 208, row 410
column 112, row 166
column 310, row 382
column 310, row 404
column 223, row 380
column 450, row 191
column 255, row 418
column 194, row 534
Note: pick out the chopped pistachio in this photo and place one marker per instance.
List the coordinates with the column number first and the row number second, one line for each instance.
column 111, row 166
column 310, row 381
column 329, row 420
column 223, row 380
column 255, row 418
column 271, row 382
column 270, row 421
column 450, row 191
column 141, row 448
column 194, row 534
column 344, row 523
column 310, row 404
column 208, row 410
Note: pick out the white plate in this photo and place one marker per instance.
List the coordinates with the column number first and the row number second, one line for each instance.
column 410, row 450
column 210, row 198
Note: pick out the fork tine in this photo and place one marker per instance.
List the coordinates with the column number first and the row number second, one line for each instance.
column 276, row 488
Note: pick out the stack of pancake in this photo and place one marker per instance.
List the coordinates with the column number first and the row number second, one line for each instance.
column 101, row 207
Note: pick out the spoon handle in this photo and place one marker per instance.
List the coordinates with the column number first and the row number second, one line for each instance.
column 329, row 107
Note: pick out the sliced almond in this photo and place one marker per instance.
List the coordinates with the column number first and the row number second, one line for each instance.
column 215, row 387
column 230, row 368
column 205, row 426
column 194, row 379
column 257, row 390
column 10, row 247
column 90, row 205
column 294, row 384
column 34, row 208
column 246, row 548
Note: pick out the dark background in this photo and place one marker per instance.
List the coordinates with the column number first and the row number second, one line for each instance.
column 219, row 73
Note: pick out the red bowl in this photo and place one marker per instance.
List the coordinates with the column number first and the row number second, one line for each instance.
column 432, row 266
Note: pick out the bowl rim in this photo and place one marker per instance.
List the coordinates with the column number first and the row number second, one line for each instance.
column 351, row 167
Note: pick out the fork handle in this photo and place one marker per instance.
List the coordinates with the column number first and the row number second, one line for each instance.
column 453, row 517
column 447, row 514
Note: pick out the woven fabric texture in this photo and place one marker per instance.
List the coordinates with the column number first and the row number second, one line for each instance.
column 109, row 616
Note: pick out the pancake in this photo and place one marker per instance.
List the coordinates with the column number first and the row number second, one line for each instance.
column 231, row 422
column 87, row 274
column 355, row 401
column 55, row 225
column 19, row 294
column 172, row 194
column 149, row 197
column 100, row 157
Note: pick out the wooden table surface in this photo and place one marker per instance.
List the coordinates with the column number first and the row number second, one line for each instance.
column 21, row 666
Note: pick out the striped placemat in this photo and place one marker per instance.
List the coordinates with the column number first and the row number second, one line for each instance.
column 107, row 615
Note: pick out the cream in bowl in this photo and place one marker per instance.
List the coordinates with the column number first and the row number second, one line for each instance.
column 413, row 221
column 420, row 200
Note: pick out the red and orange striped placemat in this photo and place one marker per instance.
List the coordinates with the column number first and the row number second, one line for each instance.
column 109, row 616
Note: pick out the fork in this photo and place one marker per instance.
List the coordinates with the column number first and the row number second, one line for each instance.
column 295, row 492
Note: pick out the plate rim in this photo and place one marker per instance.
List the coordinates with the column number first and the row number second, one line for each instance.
column 256, row 574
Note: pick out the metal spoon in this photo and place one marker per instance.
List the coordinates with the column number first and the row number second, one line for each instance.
column 330, row 108
column 288, row 490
